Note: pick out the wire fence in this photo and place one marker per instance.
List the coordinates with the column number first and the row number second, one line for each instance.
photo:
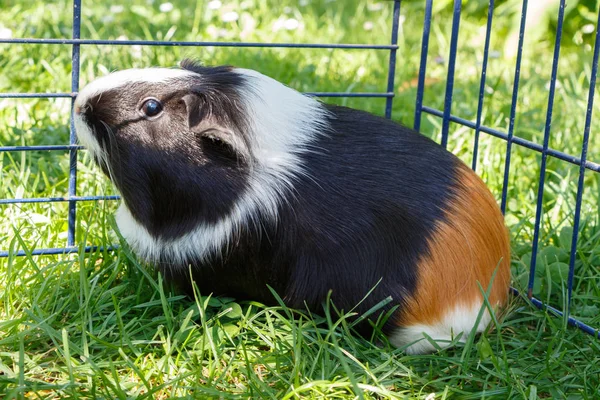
column 73, row 198
column 76, row 42
column 581, row 160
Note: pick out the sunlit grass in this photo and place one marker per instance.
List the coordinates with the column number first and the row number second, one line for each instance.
column 101, row 325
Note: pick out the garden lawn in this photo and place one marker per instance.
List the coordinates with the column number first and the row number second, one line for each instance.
column 102, row 325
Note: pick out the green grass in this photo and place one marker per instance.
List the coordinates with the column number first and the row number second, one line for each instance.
column 101, row 325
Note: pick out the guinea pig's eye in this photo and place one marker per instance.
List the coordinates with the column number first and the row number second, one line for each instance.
column 151, row 107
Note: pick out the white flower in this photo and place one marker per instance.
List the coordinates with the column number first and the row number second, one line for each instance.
column 278, row 25
column 287, row 10
column 122, row 37
column 5, row 33
column 368, row 25
column 216, row 33
column 230, row 16
column 303, row 3
column 248, row 25
column 374, row 6
column 212, row 31
column 291, row 24
column 39, row 219
column 136, row 51
column 116, row 9
column 214, row 5
column 165, row 7
column 282, row 23
column 589, row 28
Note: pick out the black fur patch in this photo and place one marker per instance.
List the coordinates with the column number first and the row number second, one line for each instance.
column 363, row 215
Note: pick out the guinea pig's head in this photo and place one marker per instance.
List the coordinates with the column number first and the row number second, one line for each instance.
column 191, row 146
column 173, row 141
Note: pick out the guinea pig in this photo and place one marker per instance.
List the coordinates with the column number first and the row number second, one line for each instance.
column 249, row 184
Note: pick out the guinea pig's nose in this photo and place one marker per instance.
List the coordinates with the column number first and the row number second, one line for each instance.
column 77, row 109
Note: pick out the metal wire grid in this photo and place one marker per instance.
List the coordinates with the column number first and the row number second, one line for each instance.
column 544, row 149
column 76, row 42
column 446, row 116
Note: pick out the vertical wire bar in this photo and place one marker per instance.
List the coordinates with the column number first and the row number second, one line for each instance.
column 513, row 108
column 584, row 149
column 488, row 33
column 73, row 136
column 392, row 64
column 450, row 78
column 423, row 66
column 538, row 212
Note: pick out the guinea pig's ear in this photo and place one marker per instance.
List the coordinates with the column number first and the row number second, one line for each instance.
column 215, row 135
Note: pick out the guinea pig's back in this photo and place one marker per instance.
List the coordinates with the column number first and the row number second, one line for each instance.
column 392, row 204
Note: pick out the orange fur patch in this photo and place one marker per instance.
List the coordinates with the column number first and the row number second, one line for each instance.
column 465, row 249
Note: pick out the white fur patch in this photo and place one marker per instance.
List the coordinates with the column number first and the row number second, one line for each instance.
column 263, row 196
column 283, row 124
column 461, row 319
column 86, row 137
column 120, row 78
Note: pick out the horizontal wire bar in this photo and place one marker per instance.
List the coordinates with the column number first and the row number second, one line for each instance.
column 58, row 199
column 105, row 42
column 41, row 148
column 344, row 94
column 517, row 140
column 570, row 320
column 56, row 251
column 316, row 94
column 36, row 95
